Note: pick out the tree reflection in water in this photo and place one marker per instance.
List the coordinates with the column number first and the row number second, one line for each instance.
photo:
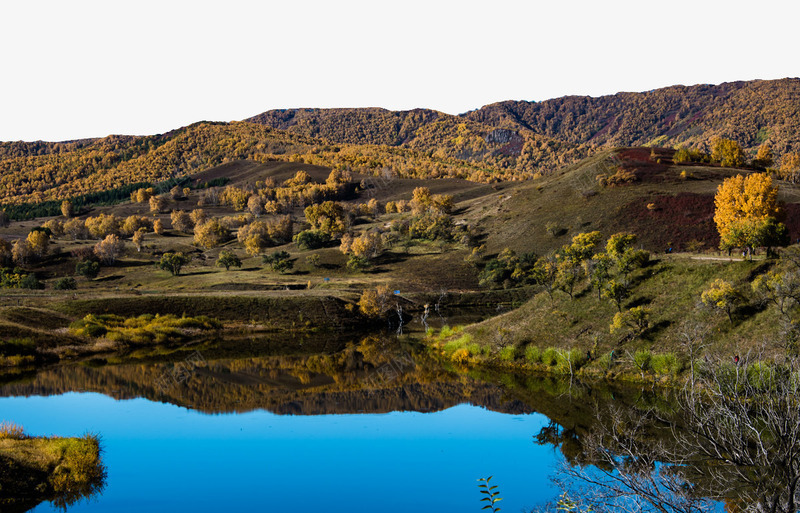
column 733, row 438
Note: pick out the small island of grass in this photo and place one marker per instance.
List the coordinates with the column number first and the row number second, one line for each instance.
column 35, row 469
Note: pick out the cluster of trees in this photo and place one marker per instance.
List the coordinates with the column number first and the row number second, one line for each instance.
column 605, row 268
column 16, row 278
column 262, row 234
column 779, row 287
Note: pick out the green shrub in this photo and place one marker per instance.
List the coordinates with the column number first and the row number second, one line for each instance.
column 532, row 354
column 66, row 283
column 550, row 356
column 30, row 282
column 474, row 348
column 761, row 375
column 17, row 346
column 643, row 359
column 508, row 353
column 666, row 364
column 145, row 329
column 312, row 239
column 574, row 357
column 604, row 362
column 88, row 268
column 446, row 332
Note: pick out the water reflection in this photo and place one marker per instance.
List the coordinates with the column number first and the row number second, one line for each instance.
column 732, row 439
column 622, row 448
column 312, row 376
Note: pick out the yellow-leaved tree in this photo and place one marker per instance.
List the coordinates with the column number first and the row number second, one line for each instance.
column 746, row 212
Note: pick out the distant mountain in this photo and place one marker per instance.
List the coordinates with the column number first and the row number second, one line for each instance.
column 748, row 112
column 534, row 137
column 512, row 140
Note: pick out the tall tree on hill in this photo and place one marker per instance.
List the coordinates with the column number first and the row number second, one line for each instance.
column 746, row 212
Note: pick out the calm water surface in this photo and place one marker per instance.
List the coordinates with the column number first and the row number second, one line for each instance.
column 198, row 449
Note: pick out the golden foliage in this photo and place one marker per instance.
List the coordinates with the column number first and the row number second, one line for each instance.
column 181, row 221
column 157, row 204
column 211, row 234
column 38, row 242
column 375, row 302
column 134, row 223
column 367, row 245
column 158, row 227
column 790, row 167
column 103, row 225
column 751, row 197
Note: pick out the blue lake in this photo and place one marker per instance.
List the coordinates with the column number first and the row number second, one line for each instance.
column 162, row 457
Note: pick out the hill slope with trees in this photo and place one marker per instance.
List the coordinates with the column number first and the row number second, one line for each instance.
column 532, row 137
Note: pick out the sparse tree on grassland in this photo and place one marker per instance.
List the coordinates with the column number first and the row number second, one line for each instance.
column 279, row 261
column 103, row 224
column 721, row 296
column 87, row 268
column 255, row 205
column 177, row 193
column 228, row 259
column 328, row 216
column 5, row 251
column 138, row 239
column 198, row 216
column 744, row 205
column 314, row 260
column 56, row 227
column 764, row 157
column 790, row 167
column 617, row 291
column 299, row 179
column 4, row 220
column 109, row 249
column 368, row 245
column 375, row 302
column 134, row 223
column 38, row 242
column 142, row 195
column 338, row 177
column 173, row 262
column 157, row 204
column 21, row 252
column 158, row 227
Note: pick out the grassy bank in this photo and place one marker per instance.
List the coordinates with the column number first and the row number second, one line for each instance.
column 35, row 469
column 583, row 335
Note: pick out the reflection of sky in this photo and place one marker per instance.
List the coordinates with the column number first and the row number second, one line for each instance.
column 162, row 457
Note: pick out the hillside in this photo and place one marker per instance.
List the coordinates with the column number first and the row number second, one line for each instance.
column 542, row 136
column 501, row 142
column 657, row 203
column 748, row 112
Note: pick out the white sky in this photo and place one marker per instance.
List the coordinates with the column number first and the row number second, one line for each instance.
column 74, row 69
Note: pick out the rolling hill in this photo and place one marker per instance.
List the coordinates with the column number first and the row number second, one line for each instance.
column 542, row 136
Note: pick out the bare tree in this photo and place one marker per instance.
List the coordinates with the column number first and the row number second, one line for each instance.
column 693, row 338
column 625, row 471
column 735, row 437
